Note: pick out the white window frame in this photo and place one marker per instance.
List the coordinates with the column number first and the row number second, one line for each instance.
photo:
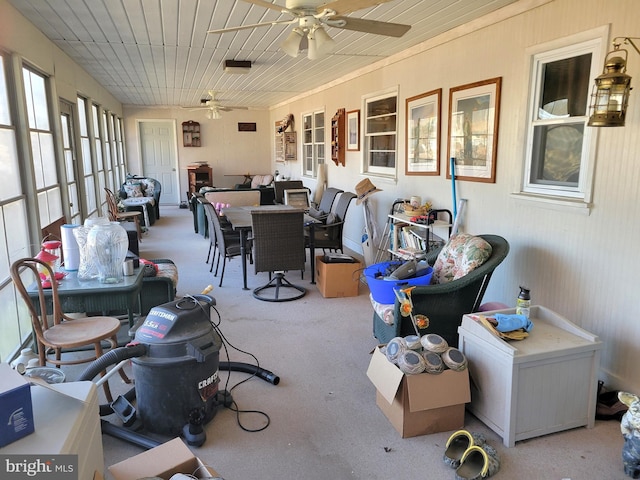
column 42, row 142
column 593, row 42
column 367, row 168
column 317, row 145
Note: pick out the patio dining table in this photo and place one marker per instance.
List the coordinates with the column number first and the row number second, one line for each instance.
column 93, row 296
column 240, row 220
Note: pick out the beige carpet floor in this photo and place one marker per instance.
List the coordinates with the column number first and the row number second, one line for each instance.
column 324, row 423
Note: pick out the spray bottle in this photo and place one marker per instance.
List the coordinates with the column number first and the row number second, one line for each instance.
column 523, row 302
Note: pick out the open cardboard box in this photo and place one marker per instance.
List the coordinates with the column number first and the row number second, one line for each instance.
column 337, row 279
column 162, row 461
column 419, row 404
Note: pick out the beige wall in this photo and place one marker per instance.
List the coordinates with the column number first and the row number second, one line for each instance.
column 230, row 153
column 582, row 266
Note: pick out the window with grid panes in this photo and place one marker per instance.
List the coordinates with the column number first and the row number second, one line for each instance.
column 560, row 146
column 14, row 232
column 87, row 162
column 313, row 146
column 380, row 133
column 41, row 140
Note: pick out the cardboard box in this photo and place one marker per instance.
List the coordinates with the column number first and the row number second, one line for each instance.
column 337, row 279
column 419, row 404
column 162, row 461
column 16, row 408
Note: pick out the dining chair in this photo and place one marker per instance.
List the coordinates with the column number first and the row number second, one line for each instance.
column 226, row 245
column 232, row 237
column 326, row 202
column 328, row 235
column 280, row 186
column 57, row 332
column 278, row 246
column 117, row 216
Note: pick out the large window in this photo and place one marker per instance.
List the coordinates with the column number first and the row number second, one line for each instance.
column 68, row 151
column 312, row 142
column 120, row 176
column 98, row 145
column 87, row 163
column 108, row 153
column 14, row 233
column 42, row 147
column 560, row 150
column 380, row 134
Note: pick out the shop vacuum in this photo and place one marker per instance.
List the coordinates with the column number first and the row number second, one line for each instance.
column 175, row 366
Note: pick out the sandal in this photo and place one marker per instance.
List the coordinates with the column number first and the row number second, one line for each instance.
column 458, row 443
column 478, row 463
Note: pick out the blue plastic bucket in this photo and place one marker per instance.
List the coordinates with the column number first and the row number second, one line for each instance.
column 382, row 290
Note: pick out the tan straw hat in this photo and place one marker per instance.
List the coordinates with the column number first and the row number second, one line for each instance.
column 364, row 189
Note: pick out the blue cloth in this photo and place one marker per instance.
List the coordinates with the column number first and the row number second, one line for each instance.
column 509, row 323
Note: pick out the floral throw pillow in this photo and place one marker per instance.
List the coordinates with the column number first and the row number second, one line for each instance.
column 133, row 190
column 462, row 254
column 149, row 187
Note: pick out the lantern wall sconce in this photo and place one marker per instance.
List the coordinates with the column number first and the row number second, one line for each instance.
column 610, row 95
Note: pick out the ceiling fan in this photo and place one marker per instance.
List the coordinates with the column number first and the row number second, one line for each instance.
column 313, row 15
column 213, row 107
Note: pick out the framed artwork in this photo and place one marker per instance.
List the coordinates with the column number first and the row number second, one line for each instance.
column 474, row 110
column 246, row 127
column 353, row 130
column 423, row 134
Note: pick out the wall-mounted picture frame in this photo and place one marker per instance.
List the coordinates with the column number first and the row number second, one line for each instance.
column 474, row 112
column 353, row 130
column 423, row 133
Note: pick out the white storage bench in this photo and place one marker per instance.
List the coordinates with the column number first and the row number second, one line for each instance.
column 543, row 384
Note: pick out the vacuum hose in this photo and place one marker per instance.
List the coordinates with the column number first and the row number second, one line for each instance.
column 113, row 357
column 265, row 375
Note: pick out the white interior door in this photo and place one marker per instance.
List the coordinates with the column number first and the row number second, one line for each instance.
column 159, row 159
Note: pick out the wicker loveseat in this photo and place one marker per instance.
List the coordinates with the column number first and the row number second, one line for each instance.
column 137, row 186
column 444, row 304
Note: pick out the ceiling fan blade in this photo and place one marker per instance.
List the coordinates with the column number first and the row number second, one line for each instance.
column 370, row 26
column 342, row 7
column 272, row 6
column 254, row 25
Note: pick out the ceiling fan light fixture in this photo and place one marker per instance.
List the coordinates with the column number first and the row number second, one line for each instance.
column 320, row 43
column 291, row 46
column 212, row 114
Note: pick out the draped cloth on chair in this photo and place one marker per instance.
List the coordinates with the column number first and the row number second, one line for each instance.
column 321, row 184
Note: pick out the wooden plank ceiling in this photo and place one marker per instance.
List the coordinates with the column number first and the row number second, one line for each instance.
column 157, row 52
